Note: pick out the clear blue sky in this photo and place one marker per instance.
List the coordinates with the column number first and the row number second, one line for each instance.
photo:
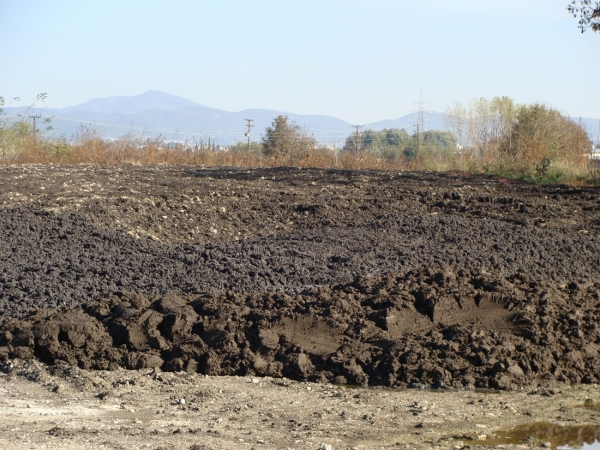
column 361, row 61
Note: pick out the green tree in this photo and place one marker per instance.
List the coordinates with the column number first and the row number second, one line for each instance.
column 393, row 143
column 588, row 12
column 431, row 143
column 285, row 139
column 436, row 141
column 385, row 142
column 354, row 143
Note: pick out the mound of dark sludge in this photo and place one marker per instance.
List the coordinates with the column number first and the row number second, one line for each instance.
column 427, row 327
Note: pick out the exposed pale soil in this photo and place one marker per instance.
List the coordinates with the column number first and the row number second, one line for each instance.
column 328, row 276
column 68, row 408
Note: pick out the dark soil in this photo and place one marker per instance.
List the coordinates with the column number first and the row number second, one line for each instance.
column 347, row 276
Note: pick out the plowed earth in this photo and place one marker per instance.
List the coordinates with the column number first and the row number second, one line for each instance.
column 317, row 275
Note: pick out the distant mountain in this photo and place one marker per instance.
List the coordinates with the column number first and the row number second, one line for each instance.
column 156, row 113
column 148, row 101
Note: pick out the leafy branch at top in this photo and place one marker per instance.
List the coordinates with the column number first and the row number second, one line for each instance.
column 588, row 12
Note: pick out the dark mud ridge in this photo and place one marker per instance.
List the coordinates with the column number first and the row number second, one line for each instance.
column 306, row 273
column 439, row 328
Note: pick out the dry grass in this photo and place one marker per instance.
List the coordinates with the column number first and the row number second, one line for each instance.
column 89, row 148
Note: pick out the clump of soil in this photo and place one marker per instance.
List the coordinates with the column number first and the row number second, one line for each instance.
column 441, row 327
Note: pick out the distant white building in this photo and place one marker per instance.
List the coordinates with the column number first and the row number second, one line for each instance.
column 595, row 153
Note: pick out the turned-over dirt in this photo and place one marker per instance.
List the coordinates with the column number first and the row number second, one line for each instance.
column 323, row 275
column 437, row 328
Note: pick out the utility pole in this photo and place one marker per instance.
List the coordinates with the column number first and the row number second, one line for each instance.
column 335, row 152
column 247, row 134
column 418, row 146
column 357, row 138
column 34, row 117
column 421, row 117
column 420, row 128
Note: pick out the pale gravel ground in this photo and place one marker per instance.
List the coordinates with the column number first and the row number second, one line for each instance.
column 142, row 409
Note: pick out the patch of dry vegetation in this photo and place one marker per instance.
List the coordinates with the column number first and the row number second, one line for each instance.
column 528, row 142
column 23, row 147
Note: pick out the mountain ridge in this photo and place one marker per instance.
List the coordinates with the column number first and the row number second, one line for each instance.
column 149, row 100
column 155, row 113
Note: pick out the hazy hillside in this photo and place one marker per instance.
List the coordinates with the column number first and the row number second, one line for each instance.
column 156, row 113
column 151, row 100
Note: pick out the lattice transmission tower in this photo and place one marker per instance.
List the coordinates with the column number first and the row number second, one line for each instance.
column 420, row 128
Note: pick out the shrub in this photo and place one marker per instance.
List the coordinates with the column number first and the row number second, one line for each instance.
column 285, row 141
